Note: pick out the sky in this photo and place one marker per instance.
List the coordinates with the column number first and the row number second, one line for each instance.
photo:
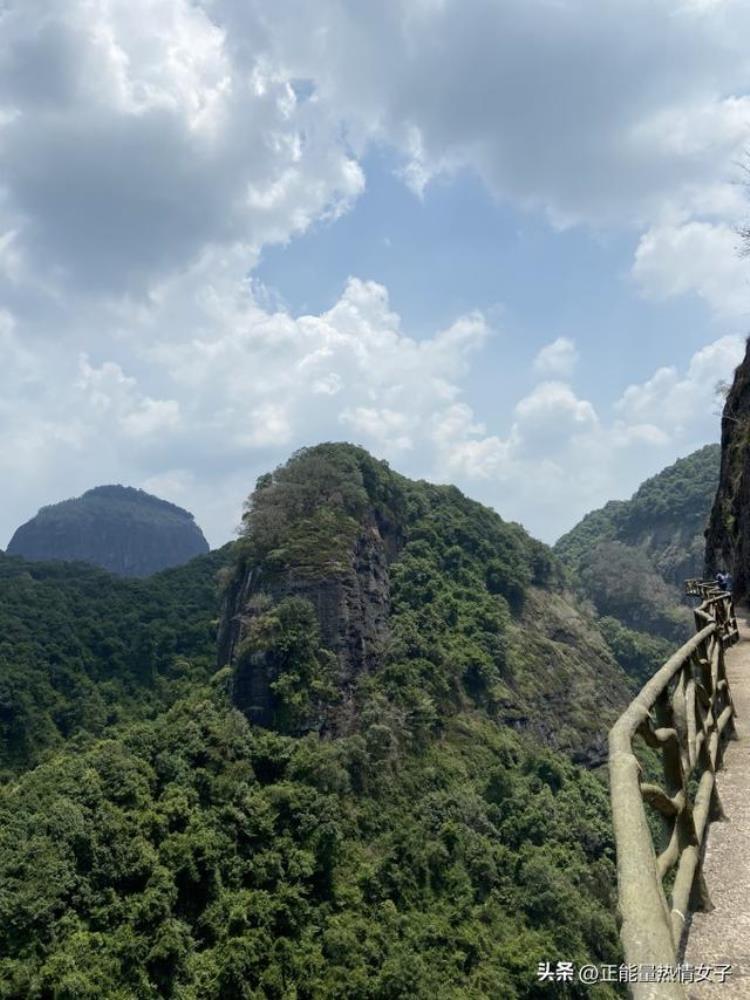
column 492, row 241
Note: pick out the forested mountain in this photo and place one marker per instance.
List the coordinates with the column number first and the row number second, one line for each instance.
column 81, row 650
column 630, row 559
column 378, row 794
column 119, row 528
column 665, row 519
column 415, row 589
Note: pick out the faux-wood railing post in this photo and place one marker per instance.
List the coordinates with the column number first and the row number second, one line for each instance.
column 686, row 712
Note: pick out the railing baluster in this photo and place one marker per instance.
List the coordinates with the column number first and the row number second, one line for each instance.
column 689, row 725
column 690, row 713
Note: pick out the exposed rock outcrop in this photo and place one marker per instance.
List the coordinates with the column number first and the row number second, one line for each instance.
column 351, row 603
column 359, row 594
column 728, row 534
column 119, row 528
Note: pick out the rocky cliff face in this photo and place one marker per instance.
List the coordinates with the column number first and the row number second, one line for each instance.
column 351, row 604
column 121, row 529
column 728, row 534
column 362, row 602
column 668, row 514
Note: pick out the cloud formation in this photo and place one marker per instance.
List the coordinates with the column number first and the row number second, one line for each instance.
column 557, row 359
column 698, row 258
column 596, row 112
column 149, row 150
column 560, row 458
column 175, row 126
column 251, row 386
column 131, row 140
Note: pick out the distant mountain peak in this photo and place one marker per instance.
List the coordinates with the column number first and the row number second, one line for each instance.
column 119, row 528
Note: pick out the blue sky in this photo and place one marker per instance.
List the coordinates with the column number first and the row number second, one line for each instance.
column 457, row 248
column 494, row 243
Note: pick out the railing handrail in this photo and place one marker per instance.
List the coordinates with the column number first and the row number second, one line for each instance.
column 687, row 725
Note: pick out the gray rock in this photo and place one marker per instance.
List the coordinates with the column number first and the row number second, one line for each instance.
column 352, row 608
column 119, row 528
column 728, row 534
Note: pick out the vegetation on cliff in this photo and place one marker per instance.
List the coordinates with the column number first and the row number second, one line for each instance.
column 678, row 498
column 409, row 829
column 630, row 559
column 461, row 581
column 664, row 522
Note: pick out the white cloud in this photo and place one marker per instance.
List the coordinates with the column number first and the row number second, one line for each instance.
column 150, row 149
column 280, row 378
column 268, row 424
column 597, row 112
column 176, row 485
column 112, row 394
column 633, row 113
column 558, row 359
column 694, row 257
column 151, row 416
column 549, row 415
column 388, row 429
column 163, row 142
column 560, row 458
column 175, row 126
column 10, row 258
column 679, row 402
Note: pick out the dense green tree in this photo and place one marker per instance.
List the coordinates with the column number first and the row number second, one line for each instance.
column 631, row 558
column 409, row 835
column 195, row 856
column 81, row 650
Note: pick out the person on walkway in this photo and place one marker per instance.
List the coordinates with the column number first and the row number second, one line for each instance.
column 721, row 580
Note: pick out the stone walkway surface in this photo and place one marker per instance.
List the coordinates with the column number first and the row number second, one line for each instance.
column 722, row 937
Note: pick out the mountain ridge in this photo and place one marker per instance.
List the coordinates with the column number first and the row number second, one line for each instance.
column 630, row 558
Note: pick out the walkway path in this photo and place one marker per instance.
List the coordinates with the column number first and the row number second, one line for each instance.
column 723, row 935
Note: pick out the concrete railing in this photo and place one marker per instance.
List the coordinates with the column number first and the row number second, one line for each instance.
column 685, row 712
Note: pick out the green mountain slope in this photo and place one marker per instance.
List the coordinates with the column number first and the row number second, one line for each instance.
column 665, row 519
column 199, row 857
column 81, row 650
column 376, row 796
column 414, row 591
column 630, row 558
